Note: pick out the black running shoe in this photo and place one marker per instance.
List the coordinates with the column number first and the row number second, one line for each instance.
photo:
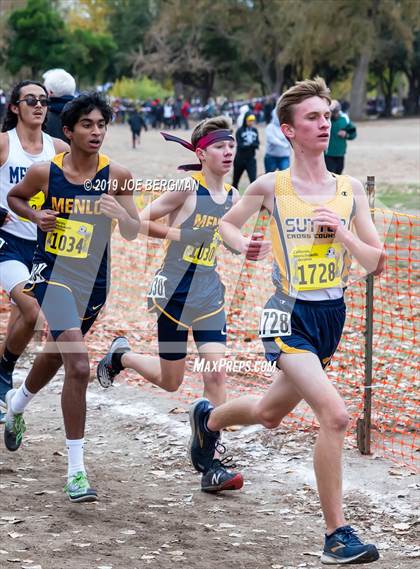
column 106, row 371
column 202, row 442
column 344, row 547
column 218, row 478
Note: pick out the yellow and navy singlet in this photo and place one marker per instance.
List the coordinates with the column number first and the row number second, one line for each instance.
column 308, row 263
column 207, row 213
column 76, row 251
column 188, row 274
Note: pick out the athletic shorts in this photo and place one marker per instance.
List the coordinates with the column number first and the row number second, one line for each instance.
column 16, row 256
column 65, row 308
column 204, row 313
column 173, row 333
column 294, row 326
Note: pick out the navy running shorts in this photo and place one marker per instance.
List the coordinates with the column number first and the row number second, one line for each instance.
column 292, row 326
column 67, row 308
column 184, row 301
column 16, row 256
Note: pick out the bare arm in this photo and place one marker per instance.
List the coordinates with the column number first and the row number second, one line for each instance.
column 121, row 206
column 60, row 146
column 365, row 246
column 35, row 180
column 4, row 147
column 258, row 196
column 162, row 206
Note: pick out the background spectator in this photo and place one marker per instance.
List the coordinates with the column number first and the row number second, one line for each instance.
column 136, row 122
column 2, row 104
column 342, row 129
column 248, row 142
column 61, row 87
column 185, row 111
column 277, row 150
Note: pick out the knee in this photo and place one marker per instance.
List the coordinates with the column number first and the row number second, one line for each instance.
column 171, row 383
column 266, row 417
column 336, row 421
column 172, row 386
column 30, row 316
column 214, row 379
column 79, row 371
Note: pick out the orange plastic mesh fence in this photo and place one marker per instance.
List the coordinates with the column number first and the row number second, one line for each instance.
column 248, row 286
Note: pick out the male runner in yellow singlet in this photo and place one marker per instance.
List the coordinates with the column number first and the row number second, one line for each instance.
column 312, row 213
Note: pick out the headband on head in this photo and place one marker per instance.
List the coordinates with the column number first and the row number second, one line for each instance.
column 203, row 142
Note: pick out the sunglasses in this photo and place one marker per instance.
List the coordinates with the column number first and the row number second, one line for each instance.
column 32, row 101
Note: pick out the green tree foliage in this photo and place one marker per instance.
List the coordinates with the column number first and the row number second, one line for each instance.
column 196, row 45
column 89, row 55
column 185, row 44
column 128, row 22
column 412, row 71
column 37, row 37
column 396, row 49
column 139, row 89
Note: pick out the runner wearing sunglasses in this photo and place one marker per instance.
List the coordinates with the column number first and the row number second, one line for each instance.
column 71, row 269
column 32, row 100
column 22, row 143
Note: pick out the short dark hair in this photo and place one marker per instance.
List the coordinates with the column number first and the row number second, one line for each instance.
column 300, row 91
column 209, row 125
column 83, row 105
column 11, row 118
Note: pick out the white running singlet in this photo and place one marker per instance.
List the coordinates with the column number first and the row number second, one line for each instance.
column 12, row 172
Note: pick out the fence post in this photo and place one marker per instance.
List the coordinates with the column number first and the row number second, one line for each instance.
column 364, row 424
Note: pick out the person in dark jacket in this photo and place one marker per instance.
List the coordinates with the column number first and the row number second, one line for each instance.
column 61, row 87
column 136, row 122
column 247, row 143
column 342, row 129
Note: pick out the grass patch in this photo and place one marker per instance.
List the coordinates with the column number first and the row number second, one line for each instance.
column 404, row 197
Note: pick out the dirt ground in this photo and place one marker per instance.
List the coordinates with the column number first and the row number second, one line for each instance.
column 151, row 511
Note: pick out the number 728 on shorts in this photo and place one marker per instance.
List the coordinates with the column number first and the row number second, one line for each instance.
column 274, row 323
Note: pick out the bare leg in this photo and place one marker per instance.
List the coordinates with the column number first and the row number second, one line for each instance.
column 169, row 374
column 214, row 381
column 166, row 374
column 22, row 330
column 310, row 380
column 13, row 316
column 76, row 365
column 44, row 368
column 76, row 379
column 303, row 377
column 269, row 410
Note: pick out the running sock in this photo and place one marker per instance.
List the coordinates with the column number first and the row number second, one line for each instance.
column 75, row 457
column 116, row 361
column 21, row 399
column 8, row 360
